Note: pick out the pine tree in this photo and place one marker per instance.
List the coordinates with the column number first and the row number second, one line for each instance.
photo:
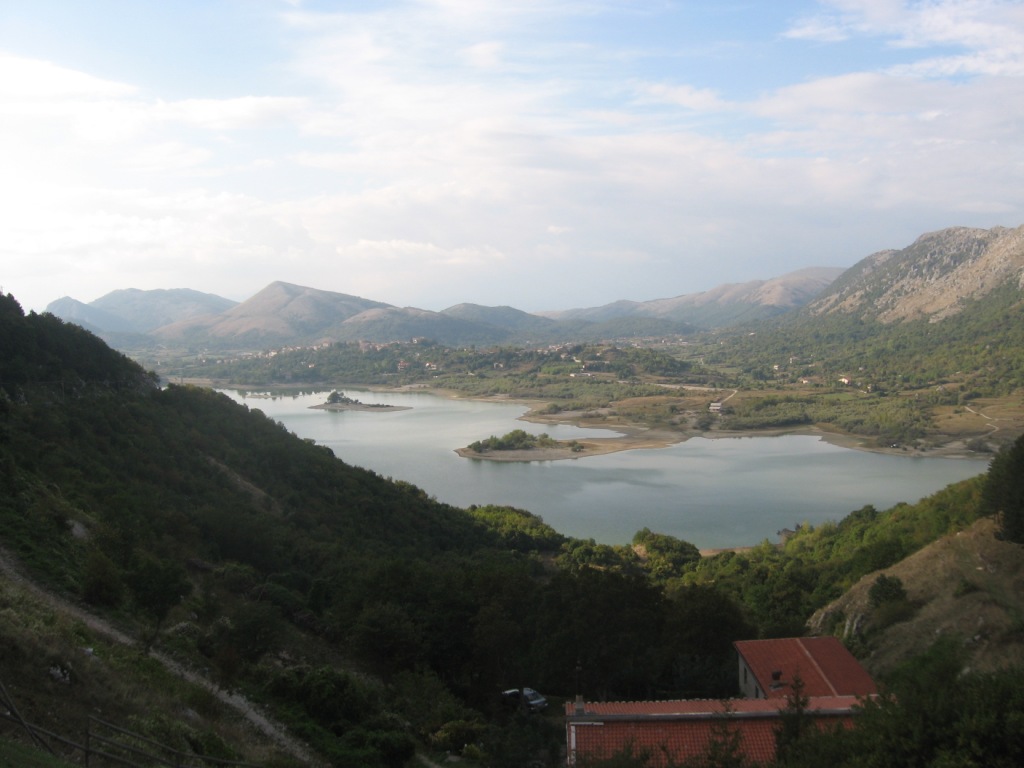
column 1003, row 493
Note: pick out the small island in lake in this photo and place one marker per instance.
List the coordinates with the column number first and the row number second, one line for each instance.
column 519, row 445
column 336, row 401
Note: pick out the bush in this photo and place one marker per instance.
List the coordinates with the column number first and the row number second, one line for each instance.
column 455, row 735
column 101, row 580
column 886, row 589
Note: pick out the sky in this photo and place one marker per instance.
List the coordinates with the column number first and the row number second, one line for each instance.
column 542, row 154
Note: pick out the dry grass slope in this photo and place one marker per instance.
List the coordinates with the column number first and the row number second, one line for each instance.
column 968, row 585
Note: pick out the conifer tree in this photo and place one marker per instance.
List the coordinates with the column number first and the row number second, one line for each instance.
column 1004, row 490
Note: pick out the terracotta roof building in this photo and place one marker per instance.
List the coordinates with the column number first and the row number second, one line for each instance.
column 767, row 668
column 668, row 732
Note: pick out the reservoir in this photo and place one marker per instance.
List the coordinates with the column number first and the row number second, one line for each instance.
column 722, row 492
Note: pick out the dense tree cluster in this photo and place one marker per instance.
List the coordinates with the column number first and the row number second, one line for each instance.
column 516, row 440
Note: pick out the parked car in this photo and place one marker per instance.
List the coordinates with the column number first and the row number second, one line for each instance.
column 527, row 698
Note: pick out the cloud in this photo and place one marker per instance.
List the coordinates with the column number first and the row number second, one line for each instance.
column 232, row 114
column 486, row 55
column 820, row 29
column 32, row 80
column 686, row 96
column 988, row 32
column 428, row 152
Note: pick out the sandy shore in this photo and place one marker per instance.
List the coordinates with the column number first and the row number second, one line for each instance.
column 634, row 436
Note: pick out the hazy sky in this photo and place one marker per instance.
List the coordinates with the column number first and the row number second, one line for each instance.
column 545, row 154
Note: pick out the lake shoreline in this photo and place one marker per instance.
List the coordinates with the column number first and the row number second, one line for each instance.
column 718, row 494
column 638, row 436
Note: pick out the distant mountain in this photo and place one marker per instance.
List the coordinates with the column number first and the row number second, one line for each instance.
column 148, row 310
column 281, row 313
column 936, row 277
column 725, row 305
column 394, row 323
column 89, row 317
column 131, row 310
column 508, row 318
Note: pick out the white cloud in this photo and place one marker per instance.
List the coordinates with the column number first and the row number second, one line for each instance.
column 486, row 55
column 686, row 96
column 230, row 114
column 28, row 80
column 990, row 33
column 820, row 29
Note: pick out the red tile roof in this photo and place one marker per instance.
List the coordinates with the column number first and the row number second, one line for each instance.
column 673, row 731
column 824, row 664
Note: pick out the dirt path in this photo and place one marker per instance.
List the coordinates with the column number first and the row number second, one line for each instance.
column 11, row 569
column 990, row 425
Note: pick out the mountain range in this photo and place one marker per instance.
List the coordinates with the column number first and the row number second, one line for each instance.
column 285, row 314
column 935, row 277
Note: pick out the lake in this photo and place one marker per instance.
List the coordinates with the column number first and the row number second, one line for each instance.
column 721, row 492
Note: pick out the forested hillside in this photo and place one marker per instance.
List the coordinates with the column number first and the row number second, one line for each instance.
column 366, row 616
column 213, row 533
column 981, row 349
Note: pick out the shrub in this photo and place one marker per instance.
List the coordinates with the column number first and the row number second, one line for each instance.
column 886, row 589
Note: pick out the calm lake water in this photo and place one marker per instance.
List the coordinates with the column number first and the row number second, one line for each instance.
column 714, row 493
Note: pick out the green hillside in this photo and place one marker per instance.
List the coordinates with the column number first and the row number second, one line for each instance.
column 364, row 613
column 980, row 349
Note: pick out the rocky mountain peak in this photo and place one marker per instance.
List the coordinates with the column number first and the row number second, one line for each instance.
column 931, row 278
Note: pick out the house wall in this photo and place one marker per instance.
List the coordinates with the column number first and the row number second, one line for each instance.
column 748, row 683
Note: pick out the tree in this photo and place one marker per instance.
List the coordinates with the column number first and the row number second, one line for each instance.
column 793, row 720
column 1003, row 493
column 725, row 749
column 886, row 589
column 158, row 586
column 101, row 580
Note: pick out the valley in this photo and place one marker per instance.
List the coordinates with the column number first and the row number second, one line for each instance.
column 378, row 621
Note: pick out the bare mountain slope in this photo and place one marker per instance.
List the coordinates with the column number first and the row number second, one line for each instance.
column 385, row 324
column 151, row 309
column 88, row 316
column 726, row 304
column 506, row 317
column 968, row 584
column 932, row 278
column 281, row 312
column 131, row 310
